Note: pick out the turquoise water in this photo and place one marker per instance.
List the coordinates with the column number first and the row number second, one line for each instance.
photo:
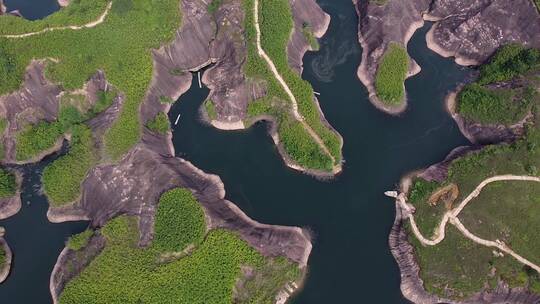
column 349, row 216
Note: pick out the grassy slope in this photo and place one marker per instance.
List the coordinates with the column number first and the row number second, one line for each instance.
column 276, row 26
column 206, row 275
column 515, row 224
column 493, row 214
column 120, row 46
column 391, row 75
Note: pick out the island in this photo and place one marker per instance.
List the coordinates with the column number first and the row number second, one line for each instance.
column 466, row 228
column 93, row 83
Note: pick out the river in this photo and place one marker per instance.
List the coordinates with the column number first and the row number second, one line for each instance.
column 349, row 216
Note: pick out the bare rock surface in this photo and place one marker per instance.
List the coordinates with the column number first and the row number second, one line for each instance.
column 36, row 101
column 471, row 31
column 6, row 267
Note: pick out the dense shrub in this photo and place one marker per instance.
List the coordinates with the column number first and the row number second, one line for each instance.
column 159, row 124
column 78, row 241
column 62, row 178
column 391, row 74
column 493, row 106
column 214, row 5
column 8, row 183
column 509, row 61
column 37, row 138
column 179, row 221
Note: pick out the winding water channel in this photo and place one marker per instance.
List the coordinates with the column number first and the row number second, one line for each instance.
column 349, row 216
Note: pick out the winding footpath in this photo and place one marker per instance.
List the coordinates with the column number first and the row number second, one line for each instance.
column 282, row 82
column 92, row 24
column 452, row 217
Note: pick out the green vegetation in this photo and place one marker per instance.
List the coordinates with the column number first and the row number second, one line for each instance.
column 482, row 102
column 78, row 12
column 509, row 61
column 2, row 257
column 210, row 109
column 379, row 2
column 310, row 38
column 391, row 75
column 79, row 241
column 125, row 39
column 166, row 100
column 179, row 221
column 276, row 25
column 8, row 183
column 62, row 179
column 507, row 211
column 125, row 273
column 537, row 3
column 502, row 106
column 427, row 217
column 214, row 5
column 159, row 124
column 509, row 216
column 35, row 139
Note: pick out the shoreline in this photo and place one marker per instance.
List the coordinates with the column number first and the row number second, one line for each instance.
column 368, row 80
column 241, row 125
column 211, row 192
column 6, row 269
column 432, row 45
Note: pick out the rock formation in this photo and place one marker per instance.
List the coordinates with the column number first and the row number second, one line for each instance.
column 470, row 31
column 134, row 184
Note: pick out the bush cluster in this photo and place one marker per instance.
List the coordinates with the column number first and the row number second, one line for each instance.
column 391, row 75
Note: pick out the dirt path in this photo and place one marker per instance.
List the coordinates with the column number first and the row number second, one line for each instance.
column 282, row 82
column 452, row 217
column 94, row 23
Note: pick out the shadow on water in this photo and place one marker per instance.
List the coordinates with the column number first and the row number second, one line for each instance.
column 32, row 9
column 350, row 217
column 35, row 242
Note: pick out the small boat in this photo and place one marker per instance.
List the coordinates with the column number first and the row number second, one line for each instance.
column 177, row 119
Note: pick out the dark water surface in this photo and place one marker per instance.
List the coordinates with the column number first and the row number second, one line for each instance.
column 33, row 9
column 350, row 217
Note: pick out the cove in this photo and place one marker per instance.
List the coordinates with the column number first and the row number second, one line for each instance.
column 349, row 216
column 35, row 242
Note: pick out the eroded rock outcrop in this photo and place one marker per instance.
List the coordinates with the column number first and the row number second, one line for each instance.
column 134, row 184
column 470, row 31
column 394, row 22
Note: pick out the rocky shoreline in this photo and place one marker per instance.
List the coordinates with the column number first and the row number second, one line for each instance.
column 402, row 250
column 231, row 91
column 469, row 31
column 150, row 168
